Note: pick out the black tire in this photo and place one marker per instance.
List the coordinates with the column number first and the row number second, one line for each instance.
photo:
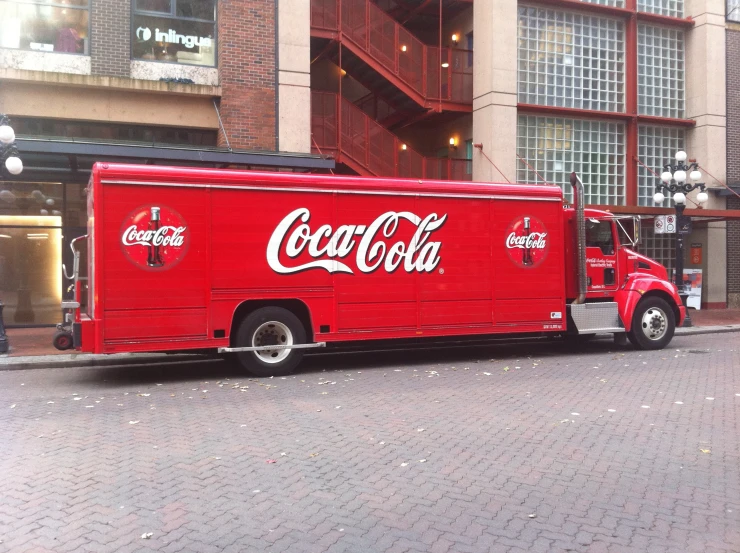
column 653, row 324
column 269, row 324
column 62, row 340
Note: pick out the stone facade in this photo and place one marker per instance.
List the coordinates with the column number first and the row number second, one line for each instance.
column 111, row 37
column 246, row 59
column 733, row 164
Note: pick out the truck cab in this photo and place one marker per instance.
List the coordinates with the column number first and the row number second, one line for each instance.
column 623, row 291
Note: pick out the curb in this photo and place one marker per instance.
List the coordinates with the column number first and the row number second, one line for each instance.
column 719, row 329
column 92, row 360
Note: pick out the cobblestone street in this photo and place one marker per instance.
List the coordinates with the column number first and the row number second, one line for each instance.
column 517, row 448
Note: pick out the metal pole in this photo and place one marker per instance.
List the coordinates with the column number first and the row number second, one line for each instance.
column 679, row 263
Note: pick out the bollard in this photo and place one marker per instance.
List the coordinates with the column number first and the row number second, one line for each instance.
column 3, row 337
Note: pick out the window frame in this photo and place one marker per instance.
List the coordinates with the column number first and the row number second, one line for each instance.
column 632, row 15
column 87, row 7
column 173, row 15
column 733, row 11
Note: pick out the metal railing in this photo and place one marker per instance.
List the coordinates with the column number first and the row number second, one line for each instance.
column 343, row 130
column 445, row 75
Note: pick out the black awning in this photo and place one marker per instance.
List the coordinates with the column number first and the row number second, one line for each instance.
column 57, row 159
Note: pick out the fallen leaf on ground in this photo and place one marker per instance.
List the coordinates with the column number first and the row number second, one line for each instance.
column 705, row 450
column 270, row 461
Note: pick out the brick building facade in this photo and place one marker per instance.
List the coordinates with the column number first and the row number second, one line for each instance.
column 111, row 41
column 247, row 66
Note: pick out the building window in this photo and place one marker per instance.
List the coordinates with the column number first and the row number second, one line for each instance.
column 177, row 31
column 555, row 146
column 671, row 8
column 660, row 247
column 469, row 47
column 612, row 3
column 660, row 68
column 656, row 147
column 147, row 134
column 45, row 26
column 733, row 10
column 469, row 157
column 570, row 60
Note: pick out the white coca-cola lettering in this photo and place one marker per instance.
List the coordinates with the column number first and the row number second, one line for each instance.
column 164, row 236
column 534, row 241
column 372, row 252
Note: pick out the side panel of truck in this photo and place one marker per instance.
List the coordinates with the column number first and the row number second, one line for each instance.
column 475, row 283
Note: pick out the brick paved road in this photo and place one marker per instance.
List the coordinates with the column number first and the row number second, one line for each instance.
column 610, row 449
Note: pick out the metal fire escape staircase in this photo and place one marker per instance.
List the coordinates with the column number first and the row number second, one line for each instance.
column 377, row 46
column 408, row 80
column 343, row 130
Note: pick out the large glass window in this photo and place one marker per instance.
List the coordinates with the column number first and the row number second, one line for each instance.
column 177, row 31
column 660, row 247
column 570, row 60
column 149, row 134
column 672, row 8
column 733, row 10
column 612, row 3
column 45, row 26
column 656, row 147
column 30, row 252
column 556, row 146
column 660, row 69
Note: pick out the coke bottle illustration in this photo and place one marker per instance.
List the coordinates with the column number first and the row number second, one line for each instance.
column 154, row 259
column 526, row 254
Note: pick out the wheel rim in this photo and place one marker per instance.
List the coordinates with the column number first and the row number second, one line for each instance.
column 654, row 323
column 270, row 334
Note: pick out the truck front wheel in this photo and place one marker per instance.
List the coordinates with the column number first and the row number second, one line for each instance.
column 653, row 324
column 270, row 326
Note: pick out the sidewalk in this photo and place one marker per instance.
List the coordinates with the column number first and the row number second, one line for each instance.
column 31, row 347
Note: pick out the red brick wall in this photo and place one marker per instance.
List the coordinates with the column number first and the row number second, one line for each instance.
column 733, row 164
column 110, row 45
column 246, row 60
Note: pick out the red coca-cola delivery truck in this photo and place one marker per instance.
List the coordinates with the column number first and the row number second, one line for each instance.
column 263, row 266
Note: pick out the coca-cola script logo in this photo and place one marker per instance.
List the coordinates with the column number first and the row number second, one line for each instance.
column 527, row 242
column 293, row 236
column 155, row 238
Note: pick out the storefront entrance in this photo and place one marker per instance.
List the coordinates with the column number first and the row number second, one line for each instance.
column 37, row 221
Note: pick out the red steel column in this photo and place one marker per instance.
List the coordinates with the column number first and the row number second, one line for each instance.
column 630, row 83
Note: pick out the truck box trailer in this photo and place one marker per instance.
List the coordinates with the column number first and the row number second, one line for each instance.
column 263, row 266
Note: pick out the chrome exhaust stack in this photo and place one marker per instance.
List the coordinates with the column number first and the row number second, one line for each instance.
column 578, row 197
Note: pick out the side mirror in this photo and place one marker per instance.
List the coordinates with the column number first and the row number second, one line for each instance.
column 636, row 226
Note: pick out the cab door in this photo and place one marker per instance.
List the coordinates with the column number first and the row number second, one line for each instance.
column 601, row 256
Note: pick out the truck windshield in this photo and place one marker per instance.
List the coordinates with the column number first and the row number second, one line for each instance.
column 599, row 235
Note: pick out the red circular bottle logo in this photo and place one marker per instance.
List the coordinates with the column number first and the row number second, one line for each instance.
column 527, row 242
column 155, row 237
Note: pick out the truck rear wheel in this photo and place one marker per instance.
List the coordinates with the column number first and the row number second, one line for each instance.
column 270, row 326
column 653, row 324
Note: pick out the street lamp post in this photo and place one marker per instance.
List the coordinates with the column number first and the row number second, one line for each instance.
column 674, row 181
column 9, row 163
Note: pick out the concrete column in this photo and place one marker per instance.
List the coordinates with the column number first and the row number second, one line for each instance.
column 495, row 88
column 706, row 93
column 706, row 102
column 294, row 75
